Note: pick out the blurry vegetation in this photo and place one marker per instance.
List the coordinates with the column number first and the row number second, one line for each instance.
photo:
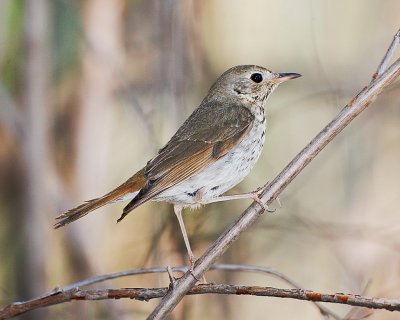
column 115, row 80
column 11, row 57
column 66, row 35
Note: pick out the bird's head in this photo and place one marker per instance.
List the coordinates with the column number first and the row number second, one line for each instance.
column 248, row 83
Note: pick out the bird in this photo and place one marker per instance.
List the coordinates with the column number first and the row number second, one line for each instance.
column 211, row 152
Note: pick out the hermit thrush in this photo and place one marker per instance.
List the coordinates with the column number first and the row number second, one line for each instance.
column 213, row 150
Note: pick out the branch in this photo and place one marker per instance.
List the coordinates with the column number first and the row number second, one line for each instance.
column 227, row 267
column 146, row 294
column 254, row 211
column 40, row 301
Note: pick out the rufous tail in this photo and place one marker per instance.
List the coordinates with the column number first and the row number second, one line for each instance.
column 132, row 185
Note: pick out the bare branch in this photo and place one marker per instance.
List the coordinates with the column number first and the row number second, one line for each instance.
column 182, row 269
column 227, row 267
column 253, row 212
column 237, row 267
column 145, row 294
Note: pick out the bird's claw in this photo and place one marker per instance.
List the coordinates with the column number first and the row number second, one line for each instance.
column 192, row 261
column 256, row 197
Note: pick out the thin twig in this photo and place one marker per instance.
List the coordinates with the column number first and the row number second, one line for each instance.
column 120, row 274
column 352, row 311
column 182, row 269
column 227, row 267
column 145, row 294
column 252, row 213
column 237, row 267
column 388, row 56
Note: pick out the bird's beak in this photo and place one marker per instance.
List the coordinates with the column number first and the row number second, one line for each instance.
column 285, row 77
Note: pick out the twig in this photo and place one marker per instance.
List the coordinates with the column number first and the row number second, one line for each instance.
column 227, row 267
column 253, row 212
column 183, row 269
column 389, row 53
column 145, row 294
column 237, row 267
column 120, row 274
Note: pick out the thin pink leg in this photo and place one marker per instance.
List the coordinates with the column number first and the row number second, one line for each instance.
column 178, row 213
column 249, row 195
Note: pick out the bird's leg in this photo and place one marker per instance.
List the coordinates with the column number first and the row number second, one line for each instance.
column 255, row 195
column 178, row 213
column 192, row 259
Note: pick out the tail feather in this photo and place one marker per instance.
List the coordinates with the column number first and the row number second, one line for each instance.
column 133, row 185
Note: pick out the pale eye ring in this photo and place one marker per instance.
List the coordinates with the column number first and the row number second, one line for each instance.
column 256, row 77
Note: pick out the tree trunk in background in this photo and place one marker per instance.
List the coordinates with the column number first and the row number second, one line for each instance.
column 102, row 60
column 176, row 23
column 36, row 151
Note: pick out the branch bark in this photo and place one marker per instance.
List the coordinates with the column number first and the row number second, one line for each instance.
column 146, row 294
column 380, row 80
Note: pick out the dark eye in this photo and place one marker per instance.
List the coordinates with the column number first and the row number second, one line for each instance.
column 256, row 77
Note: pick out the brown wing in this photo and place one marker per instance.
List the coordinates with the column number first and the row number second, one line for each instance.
column 208, row 134
column 209, row 124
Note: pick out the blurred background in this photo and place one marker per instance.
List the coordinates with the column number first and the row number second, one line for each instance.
column 89, row 90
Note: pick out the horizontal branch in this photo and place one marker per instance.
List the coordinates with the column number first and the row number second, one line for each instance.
column 146, row 294
column 42, row 300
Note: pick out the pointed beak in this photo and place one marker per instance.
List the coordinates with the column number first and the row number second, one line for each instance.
column 286, row 76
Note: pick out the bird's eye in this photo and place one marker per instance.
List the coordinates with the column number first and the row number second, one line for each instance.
column 256, row 77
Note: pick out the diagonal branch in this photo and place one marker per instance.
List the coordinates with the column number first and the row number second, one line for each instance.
column 253, row 212
column 146, row 294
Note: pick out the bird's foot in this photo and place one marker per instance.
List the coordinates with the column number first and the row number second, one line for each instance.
column 192, row 261
column 256, row 197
